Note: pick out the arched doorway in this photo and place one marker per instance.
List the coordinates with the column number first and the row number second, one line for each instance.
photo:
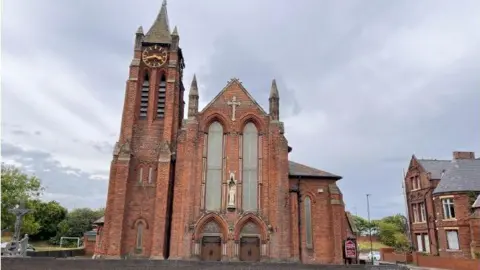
column 250, row 242
column 211, row 242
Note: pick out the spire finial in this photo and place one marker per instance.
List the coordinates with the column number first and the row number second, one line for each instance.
column 194, row 86
column 193, row 98
column 160, row 30
column 175, row 31
column 274, row 90
column 140, row 30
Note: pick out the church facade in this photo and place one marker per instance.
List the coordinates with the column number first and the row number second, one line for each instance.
column 217, row 185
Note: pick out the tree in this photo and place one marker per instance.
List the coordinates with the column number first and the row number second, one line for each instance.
column 364, row 225
column 77, row 223
column 48, row 215
column 18, row 187
column 392, row 231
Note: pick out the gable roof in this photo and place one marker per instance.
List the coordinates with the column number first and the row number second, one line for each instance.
column 297, row 169
column 462, row 175
column 351, row 222
column 434, row 167
column 476, row 204
column 231, row 82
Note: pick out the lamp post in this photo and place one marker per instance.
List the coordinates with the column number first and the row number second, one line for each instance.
column 370, row 226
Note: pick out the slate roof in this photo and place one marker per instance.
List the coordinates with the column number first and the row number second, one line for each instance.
column 435, row 167
column 99, row 221
column 461, row 175
column 297, row 169
column 160, row 30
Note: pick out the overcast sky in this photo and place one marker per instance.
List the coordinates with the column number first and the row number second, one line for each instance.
column 363, row 84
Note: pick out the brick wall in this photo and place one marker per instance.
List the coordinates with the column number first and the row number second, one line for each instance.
column 389, row 255
column 461, row 224
column 61, row 264
column 366, row 238
column 445, row 263
column 423, row 260
column 89, row 244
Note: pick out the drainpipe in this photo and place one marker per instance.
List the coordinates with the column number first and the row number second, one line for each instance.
column 297, row 191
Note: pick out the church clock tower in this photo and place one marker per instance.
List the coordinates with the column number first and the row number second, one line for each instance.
column 138, row 210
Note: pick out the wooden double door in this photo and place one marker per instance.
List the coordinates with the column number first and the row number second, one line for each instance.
column 211, row 248
column 250, row 249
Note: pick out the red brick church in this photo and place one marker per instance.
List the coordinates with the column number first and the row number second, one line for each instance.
column 217, row 185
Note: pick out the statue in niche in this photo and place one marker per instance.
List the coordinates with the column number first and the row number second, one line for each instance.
column 232, row 190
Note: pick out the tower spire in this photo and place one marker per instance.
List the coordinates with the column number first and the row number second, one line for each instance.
column 159, row 32
column 193, row 98
column 274, row 101
column 274, row 90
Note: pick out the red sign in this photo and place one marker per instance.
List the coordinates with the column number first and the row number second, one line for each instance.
column 350, row 249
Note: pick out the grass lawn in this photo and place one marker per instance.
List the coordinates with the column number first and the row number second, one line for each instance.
column 364, row 246
column 38, row 245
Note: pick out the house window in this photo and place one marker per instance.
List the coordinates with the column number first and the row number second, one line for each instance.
column 415, row 182
column 308, row 222
column 139, row 242
column 213, row 193
column 140, row 175
column 419, row 243
column 452, row 240
column 448, row 208
column 423, row 242
column 426, row 240
column 415, row 213
column 423, row 214
column 150, row 175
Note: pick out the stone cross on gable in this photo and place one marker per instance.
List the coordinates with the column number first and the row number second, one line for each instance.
column 234, row 103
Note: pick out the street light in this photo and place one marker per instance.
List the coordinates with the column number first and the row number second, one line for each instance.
column 370, row 227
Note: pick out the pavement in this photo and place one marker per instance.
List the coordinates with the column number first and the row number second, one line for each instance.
column 414, row 267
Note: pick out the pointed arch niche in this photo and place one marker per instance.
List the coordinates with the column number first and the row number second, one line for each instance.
column 210, row 234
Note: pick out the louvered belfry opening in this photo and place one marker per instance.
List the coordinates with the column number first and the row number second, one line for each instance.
column 144, row 97
column 161, row 97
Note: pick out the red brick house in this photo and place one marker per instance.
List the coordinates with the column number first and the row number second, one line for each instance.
column 440, row 197
column 216, row 186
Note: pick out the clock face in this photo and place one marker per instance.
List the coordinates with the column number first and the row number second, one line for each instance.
column 154, row 56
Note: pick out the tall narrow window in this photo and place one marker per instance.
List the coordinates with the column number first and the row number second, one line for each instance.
column 214, row 167
column 448, row 208
column 308, row 222
column 250, row 167
column 150, row 175
column 144, row 96
column 415, row 213
column 140, row 175
column 139, row 243
column 423, row 214
column 162, row 88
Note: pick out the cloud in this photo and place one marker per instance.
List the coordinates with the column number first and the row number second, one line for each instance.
column 68, row 185
column 363, row 85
